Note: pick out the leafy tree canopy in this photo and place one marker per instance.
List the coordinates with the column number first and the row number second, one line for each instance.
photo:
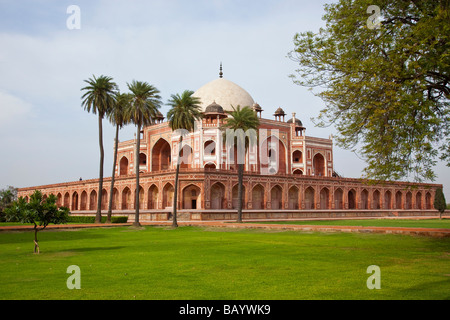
column 38, row 211
column 385, row 79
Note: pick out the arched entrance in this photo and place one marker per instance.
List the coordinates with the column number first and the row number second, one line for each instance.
column 168, row 192
column 293, row 198
column 67, row 200
column 191, row 197
column 126, row 199
column 376, row 200
column 324, row 198
column 235, row 195
column 352, row 199
column 115, row 199
column 319, row 165
column 217, row 197
column 398, row 200
column 258, row 197
column 276, row 198
column 309, row 198
column 84, row 202
column 161, row 156
column 339, row 199
column 364, row 199
column 388, row 200
column 152, row 198
column 93, row 200
column 141, row 198
column 408, row 200
column 104, row 200
column 75, row 201
column 419, row 200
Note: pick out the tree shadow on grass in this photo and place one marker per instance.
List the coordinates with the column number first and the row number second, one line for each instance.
column 10, row 237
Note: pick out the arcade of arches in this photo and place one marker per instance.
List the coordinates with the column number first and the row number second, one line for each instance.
column 256, row 196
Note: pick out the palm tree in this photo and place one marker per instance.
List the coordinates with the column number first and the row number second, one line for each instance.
column 242, row 123
column 185, row 110
column 99, row 98
column 142, row 111
column 117, row 117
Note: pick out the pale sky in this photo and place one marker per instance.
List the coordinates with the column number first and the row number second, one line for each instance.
column 47, row 137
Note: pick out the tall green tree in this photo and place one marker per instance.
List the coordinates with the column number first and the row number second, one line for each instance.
column 142, row 111
column 383, row 70
column 38, row 211
column 241, row 126
column 439, row 202
column 185, row 110
column 99, row 98
column 117, row 117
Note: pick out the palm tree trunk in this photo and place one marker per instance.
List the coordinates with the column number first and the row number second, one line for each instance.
column 240, row 190
column 136, row 158
column 175, row 194
column 111, row 192
column 98, row 216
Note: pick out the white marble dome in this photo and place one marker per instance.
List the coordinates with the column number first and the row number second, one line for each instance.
column 224, row 93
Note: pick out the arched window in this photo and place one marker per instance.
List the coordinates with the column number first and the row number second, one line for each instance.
column 210, row 148
column 123, row 166
column 319, row 165
column 297, row 157
column 161, row 156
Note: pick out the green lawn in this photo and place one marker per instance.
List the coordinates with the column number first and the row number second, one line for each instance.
column 221, row 263
column 407, row 223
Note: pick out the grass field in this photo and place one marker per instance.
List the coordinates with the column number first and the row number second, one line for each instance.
column 404, row 223
column 220, row 263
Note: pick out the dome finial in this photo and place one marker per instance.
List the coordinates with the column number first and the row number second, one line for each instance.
column 220, row 73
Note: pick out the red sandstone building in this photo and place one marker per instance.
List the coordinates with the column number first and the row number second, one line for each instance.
column 297, row 181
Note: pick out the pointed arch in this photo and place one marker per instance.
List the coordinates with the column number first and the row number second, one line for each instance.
column 388, row 200
column 351, row 199
column 309, row 198
column 93, row 200
column 126, row 198
column 191, row 197
column 398, row 200
column 75, row 201
column 152, row 197
column 376, row 199
column 258, row 197
column 123, row 166
column 276, row 197
column 339, row 199
column 324, row 198
column 168, row 192
column 161, row 155
column 364, row 199
column 217, row 196
column 293, row 198
column 319, row 165
column 84, row 200
column 235, row 196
